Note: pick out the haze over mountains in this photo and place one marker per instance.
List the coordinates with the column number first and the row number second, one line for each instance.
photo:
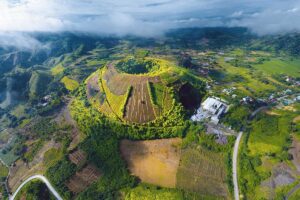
column 140, row 18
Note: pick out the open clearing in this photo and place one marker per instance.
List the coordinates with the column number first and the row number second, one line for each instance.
column 153, row 161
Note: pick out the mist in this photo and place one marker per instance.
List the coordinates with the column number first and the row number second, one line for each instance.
column 148, row 18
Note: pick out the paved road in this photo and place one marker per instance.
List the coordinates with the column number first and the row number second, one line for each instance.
column 43, row 179
column 236, row 153
column 234, row 166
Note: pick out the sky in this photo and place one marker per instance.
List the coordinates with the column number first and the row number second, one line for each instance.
column 144, row 17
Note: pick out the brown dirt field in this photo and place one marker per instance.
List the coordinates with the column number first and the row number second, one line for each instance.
column 78, row 157
column 82, row 179
column 153, row 161
column 139, row 108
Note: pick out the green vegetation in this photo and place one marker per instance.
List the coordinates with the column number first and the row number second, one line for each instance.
column 69, row 83
column 103, row 150
column 57, row 69
column 3, row 172
column 237, row 117
column 156, row 93
column 59, row 173
column 38, row 83
column 288, row 67
column 150, row 192
column 52, row 156
column 33, row 149
column 35, row 190
column 137, row 66
column 128, row 94
column 265, row 146
column 44, row 128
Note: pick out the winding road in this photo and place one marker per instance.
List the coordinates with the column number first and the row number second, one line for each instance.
column 234, row 166
column 236, row 153
column 44, row 180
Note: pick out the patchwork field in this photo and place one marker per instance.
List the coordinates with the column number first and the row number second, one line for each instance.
column 83, row 178
column 153, row 161
column 269, row 163
column 78, row 157
column 203, row 171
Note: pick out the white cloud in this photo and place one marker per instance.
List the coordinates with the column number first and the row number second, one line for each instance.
column 147, row 17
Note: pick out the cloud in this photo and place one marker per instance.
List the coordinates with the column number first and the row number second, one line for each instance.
column 21, row 41
column 147, row 17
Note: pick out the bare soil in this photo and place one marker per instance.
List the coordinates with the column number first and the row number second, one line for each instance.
column 82, row 179
column 78, row 157
column 153, row 161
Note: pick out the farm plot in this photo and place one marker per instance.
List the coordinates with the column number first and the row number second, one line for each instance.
column 78, row 157
column 139, row 108
column 119, row 82
column 154, row 161
column 203, row 172
column 83, row 178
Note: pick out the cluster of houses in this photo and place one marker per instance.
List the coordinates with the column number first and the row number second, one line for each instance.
column 292, row 81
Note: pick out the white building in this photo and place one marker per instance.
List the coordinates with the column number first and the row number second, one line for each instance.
column 212, row 108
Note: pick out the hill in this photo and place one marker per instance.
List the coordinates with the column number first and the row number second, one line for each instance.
column 134, row 90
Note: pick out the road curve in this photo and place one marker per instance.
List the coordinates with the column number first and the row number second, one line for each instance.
column 234, row 166
column 44, row 180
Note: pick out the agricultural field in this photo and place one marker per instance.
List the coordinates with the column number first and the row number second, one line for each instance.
column 203, row 171
column 139, row 108
column 270, row 155
column 78, row 157
column 83, row 178
column 153, row 161
column 69, row 83
column 277, row 66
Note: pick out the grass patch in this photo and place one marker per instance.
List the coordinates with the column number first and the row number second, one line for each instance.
column 289, row 67
column 69, row 83
column 3, row 172
column 52, row 156
column 57, row 69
